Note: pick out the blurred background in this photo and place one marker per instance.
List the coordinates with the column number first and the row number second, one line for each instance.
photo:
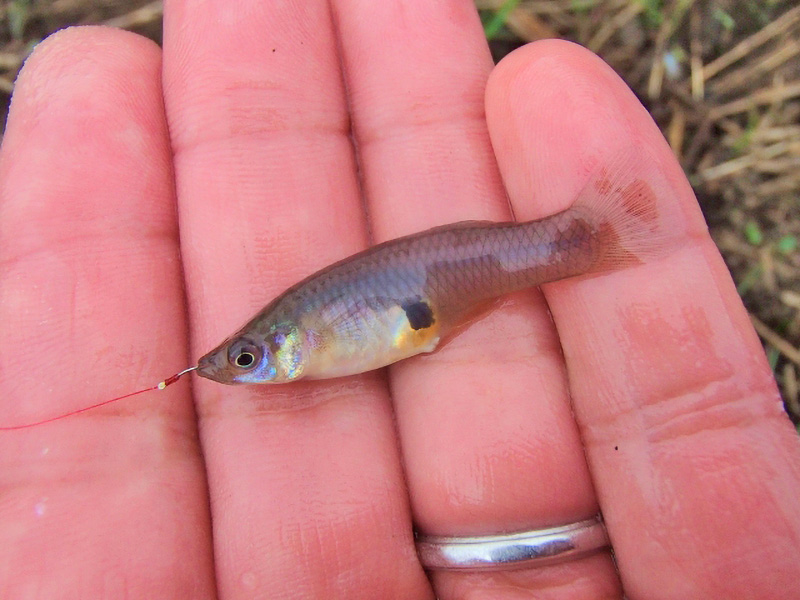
column 720, row 77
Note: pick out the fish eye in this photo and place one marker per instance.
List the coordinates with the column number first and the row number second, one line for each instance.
column 244, row 354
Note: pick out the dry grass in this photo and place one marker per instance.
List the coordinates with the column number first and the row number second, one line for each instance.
column 721, row 78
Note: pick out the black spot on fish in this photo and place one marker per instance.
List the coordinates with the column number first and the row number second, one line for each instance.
column 420, row 315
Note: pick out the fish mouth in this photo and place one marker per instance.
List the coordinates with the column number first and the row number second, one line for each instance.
column 214, row 366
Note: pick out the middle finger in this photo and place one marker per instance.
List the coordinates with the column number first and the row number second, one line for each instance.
column 268, row 194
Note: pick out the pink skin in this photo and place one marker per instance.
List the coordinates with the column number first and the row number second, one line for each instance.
column 676, row 433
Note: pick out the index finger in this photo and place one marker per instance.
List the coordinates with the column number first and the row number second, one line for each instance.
column 677, row 407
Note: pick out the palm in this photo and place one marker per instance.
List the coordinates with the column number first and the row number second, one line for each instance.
column 298, row 491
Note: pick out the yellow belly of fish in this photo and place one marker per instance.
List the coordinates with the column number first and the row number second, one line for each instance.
column 389, row 338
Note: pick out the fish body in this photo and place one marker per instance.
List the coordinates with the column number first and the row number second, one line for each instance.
column 405, row 296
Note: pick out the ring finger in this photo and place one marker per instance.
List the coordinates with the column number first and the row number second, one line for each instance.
column 483, row 453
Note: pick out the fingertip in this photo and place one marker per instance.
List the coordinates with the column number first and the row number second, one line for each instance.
column 87, row 68
column 87, row 101
column 558, row 93
column 555, row 111
column 89, row 44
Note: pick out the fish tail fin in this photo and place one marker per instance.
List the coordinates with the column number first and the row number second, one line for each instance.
column 623, row 211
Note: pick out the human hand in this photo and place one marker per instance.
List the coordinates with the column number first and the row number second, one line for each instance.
column 308, row 490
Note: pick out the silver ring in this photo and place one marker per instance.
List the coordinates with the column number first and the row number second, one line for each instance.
column 514, row 550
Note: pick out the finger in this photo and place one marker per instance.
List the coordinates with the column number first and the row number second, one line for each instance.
column 488, row 440
column 305, row 502
column 91, row 306
column 696, row 466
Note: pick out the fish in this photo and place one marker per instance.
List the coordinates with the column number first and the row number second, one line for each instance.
column 409, row 295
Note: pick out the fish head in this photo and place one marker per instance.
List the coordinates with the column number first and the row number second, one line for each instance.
column 278, row 356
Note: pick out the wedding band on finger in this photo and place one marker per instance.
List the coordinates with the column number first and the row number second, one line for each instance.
column 514, row 550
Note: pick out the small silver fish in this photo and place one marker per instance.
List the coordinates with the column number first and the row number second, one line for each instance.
column 405, row 296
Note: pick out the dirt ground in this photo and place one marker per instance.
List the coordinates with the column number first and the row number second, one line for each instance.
column 720, row 77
